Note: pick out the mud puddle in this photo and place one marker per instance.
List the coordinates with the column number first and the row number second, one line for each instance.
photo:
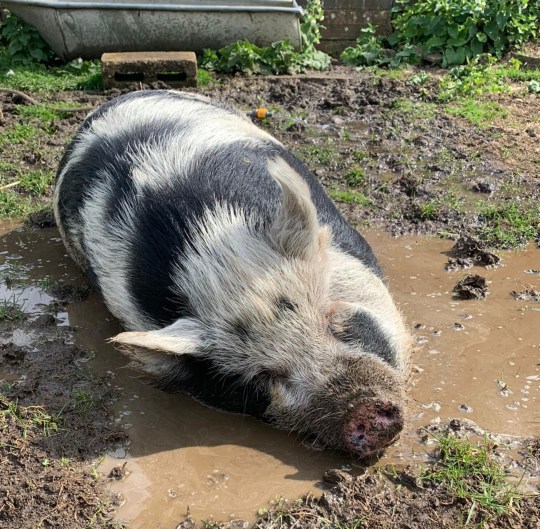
column 478, row 360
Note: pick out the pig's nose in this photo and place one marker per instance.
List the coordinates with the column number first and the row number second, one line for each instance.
column 372, row 425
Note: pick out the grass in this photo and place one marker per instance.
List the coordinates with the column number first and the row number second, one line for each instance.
column 205, row 78
column 471, row 472
column 76, row 75
column 479, row 113
column 37, row 182
column 19, row 133
column 509, row 225
column 84, row 401
column 417, row 110
column 350, row 197
column 11, row 310
column 317, row 154
column 355, row 177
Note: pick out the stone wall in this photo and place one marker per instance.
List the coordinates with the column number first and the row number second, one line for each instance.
column 345, row 18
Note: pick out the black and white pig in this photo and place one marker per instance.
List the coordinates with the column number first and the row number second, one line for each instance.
column 238, row 279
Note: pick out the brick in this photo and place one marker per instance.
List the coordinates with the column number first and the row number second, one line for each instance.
column 345, row 25
column 178, row 69
column 335, row 47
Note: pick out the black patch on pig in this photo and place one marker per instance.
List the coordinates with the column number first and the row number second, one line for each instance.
column 362, row 328
column 208, row 385
column 286, row 304
column 241, row 329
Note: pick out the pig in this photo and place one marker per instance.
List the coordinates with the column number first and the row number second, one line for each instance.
column 235, row 276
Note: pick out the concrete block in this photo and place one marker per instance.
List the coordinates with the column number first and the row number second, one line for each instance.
column 178, row 69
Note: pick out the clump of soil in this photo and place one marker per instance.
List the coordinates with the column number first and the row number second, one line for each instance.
column 469, row 252
column 68, row 293
column 471, row 287
column 529, row 294
column 41, row 219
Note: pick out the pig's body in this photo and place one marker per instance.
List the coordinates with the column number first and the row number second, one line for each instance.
column 243, row 284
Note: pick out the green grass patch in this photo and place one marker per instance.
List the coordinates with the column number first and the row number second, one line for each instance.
column 37, row 182
column 19, row 133
column 415, row 109
column 481, row 114
column 350, row 197
column 205, row 78
column 33, row 77
column 471, row 472
column 317, row 154
column 14, row 205
column 356, row 176
column 39, row 112
column 509, row 225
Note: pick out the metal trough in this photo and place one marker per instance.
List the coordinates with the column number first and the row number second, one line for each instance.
column 85, row 29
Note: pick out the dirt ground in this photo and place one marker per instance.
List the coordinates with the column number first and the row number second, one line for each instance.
column 391, row 156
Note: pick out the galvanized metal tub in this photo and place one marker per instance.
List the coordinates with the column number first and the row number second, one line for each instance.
column 79, row 28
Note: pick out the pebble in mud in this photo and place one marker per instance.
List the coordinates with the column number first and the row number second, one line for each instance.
column 465, row 409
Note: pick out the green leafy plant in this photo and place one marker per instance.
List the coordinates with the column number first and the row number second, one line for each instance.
column 459, row 30
column 533, row 86
column 372, row 49
column 479, row 76
column 23, row 43
column 280, row 57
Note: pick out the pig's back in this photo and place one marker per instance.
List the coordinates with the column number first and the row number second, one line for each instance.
column 143, row 170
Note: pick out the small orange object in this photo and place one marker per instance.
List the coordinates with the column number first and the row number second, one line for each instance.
column 260, row 113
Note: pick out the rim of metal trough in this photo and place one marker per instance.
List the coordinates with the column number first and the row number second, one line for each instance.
column 287, row 6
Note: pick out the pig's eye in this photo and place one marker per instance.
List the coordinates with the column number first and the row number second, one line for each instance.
column 286, row 304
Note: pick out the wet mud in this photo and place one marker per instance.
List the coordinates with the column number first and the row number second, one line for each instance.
column 474, row 359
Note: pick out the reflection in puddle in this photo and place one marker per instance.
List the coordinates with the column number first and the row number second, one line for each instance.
column 478, row 360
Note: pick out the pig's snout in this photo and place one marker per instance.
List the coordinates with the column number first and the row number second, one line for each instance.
column 372, row 425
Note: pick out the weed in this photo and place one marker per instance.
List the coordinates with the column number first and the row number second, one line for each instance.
column 481, row 114
column 205, row 78
column 350, row 197
column 472, row 473
column 359, row 156
column 84, row 401
column 23, row 42
column 356, row 177
column 429, row 210
column 533, row 86
column 419, row 79
column 11, row 310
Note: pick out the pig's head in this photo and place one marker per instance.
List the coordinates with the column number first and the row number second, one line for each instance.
column 283, row 318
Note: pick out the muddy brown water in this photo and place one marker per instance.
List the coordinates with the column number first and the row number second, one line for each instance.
column 478, row 360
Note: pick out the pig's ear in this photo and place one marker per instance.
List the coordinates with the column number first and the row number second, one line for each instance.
column 154, row 352
column 295, row 232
